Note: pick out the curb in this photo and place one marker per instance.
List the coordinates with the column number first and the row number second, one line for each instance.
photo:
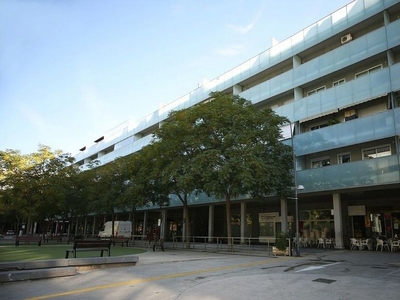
column 40, row 269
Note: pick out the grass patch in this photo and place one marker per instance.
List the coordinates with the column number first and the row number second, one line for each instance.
column 49, row 251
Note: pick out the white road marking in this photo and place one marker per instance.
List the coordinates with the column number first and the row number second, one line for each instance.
column 317, row 267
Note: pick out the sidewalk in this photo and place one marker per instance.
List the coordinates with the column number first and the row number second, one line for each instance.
column 28, row 270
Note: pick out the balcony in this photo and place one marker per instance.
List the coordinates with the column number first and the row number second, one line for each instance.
column 356, row 131
column 371, row 172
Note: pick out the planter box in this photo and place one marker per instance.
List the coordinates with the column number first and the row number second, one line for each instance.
column 277, row 252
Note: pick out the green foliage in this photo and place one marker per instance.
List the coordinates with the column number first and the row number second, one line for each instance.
column 32, row 186
column 281, row 240
column 224, row 147
column 227, row 148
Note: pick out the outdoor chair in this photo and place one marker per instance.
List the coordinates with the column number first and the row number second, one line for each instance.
column 394, row 245
column 354, row 243
column 382, row 244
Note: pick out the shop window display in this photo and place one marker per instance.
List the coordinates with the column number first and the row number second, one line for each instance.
column 316, row 224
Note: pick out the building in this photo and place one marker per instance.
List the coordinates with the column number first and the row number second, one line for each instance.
column 338, row 81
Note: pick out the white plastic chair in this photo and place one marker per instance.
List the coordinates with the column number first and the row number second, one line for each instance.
column 394, row 246
column 321, row 243
column 366, row 243
column 329, row 243
column 354, row 243
column 382, row 244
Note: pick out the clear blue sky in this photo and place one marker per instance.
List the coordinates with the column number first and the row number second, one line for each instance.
column 72, row 70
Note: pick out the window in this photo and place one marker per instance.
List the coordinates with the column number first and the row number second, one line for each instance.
column 344, row 158
column 317, row 90
column 339, row 82
column 369, row 71
column 317, row 223
column 318, row 126
column 320, row 162
column 350, row 114
column 380, row 151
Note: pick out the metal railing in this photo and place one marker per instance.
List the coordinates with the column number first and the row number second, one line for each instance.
column 220, row 244
column 248, row 245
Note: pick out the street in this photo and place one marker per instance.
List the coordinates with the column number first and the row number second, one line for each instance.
column 181, row 274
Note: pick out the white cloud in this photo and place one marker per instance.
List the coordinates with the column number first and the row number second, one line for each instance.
column 245, row 29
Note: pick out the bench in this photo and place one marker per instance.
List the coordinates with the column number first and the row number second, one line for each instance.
column 89, row 245
column 120, row 239
column 27, row 239
column 58, row 238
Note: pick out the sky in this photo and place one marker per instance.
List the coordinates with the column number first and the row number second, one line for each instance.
column 72, row 70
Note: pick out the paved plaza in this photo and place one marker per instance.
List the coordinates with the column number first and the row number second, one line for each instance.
column 187, row 274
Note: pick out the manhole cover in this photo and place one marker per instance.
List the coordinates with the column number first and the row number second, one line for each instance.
column 323, row 280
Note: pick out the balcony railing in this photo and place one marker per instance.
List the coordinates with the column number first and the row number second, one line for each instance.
column 375, row 127
column 370, row 172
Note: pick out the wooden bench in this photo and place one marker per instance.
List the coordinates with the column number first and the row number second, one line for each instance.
column 89, row 245
column 58, row 238
column 27, row 239
column 120, row 239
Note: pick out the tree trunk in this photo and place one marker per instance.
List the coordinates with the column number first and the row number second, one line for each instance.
column 112, row 223
column 76, row 226
column 187, row 224
column 28, row 225
column 85, row 227
column 228, row 220
column 133, row 220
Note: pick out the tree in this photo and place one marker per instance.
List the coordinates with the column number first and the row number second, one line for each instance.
column 227, row 148
column 107, row 187
column 144, row 186
column 30, row 184
column 174, row 148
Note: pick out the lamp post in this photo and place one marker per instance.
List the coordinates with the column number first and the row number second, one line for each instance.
column 296, row 188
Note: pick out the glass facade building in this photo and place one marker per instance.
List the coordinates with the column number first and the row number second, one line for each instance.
column 338, row 82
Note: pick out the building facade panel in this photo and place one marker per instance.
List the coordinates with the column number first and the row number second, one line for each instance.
column 338, row 82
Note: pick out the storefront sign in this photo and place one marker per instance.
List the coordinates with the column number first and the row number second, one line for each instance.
column 357, row 210
column 269, row 217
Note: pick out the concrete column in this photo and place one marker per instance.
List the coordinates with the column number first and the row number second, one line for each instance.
column 85, row 227
column 76, row 226
column 94, row 226
column 243, row 213
column 298, row 93
column 137, row 136
column 184, row 226
column 386, row 17
column 296, row 61
column 237, row 89
column 133, row 220
column 210, row 222
column 338, row 220
column 163, row 223
column 284, row 214
column 145, row 217
column 55, row 231
column 390, row 57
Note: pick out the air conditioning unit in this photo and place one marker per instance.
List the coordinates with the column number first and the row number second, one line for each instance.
column 346, row 38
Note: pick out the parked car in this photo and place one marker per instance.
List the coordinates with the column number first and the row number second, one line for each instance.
column 10, row 232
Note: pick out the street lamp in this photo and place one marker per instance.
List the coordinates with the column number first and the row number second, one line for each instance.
column 296, row 188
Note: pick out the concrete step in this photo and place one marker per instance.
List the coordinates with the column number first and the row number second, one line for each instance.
column 40, row 269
